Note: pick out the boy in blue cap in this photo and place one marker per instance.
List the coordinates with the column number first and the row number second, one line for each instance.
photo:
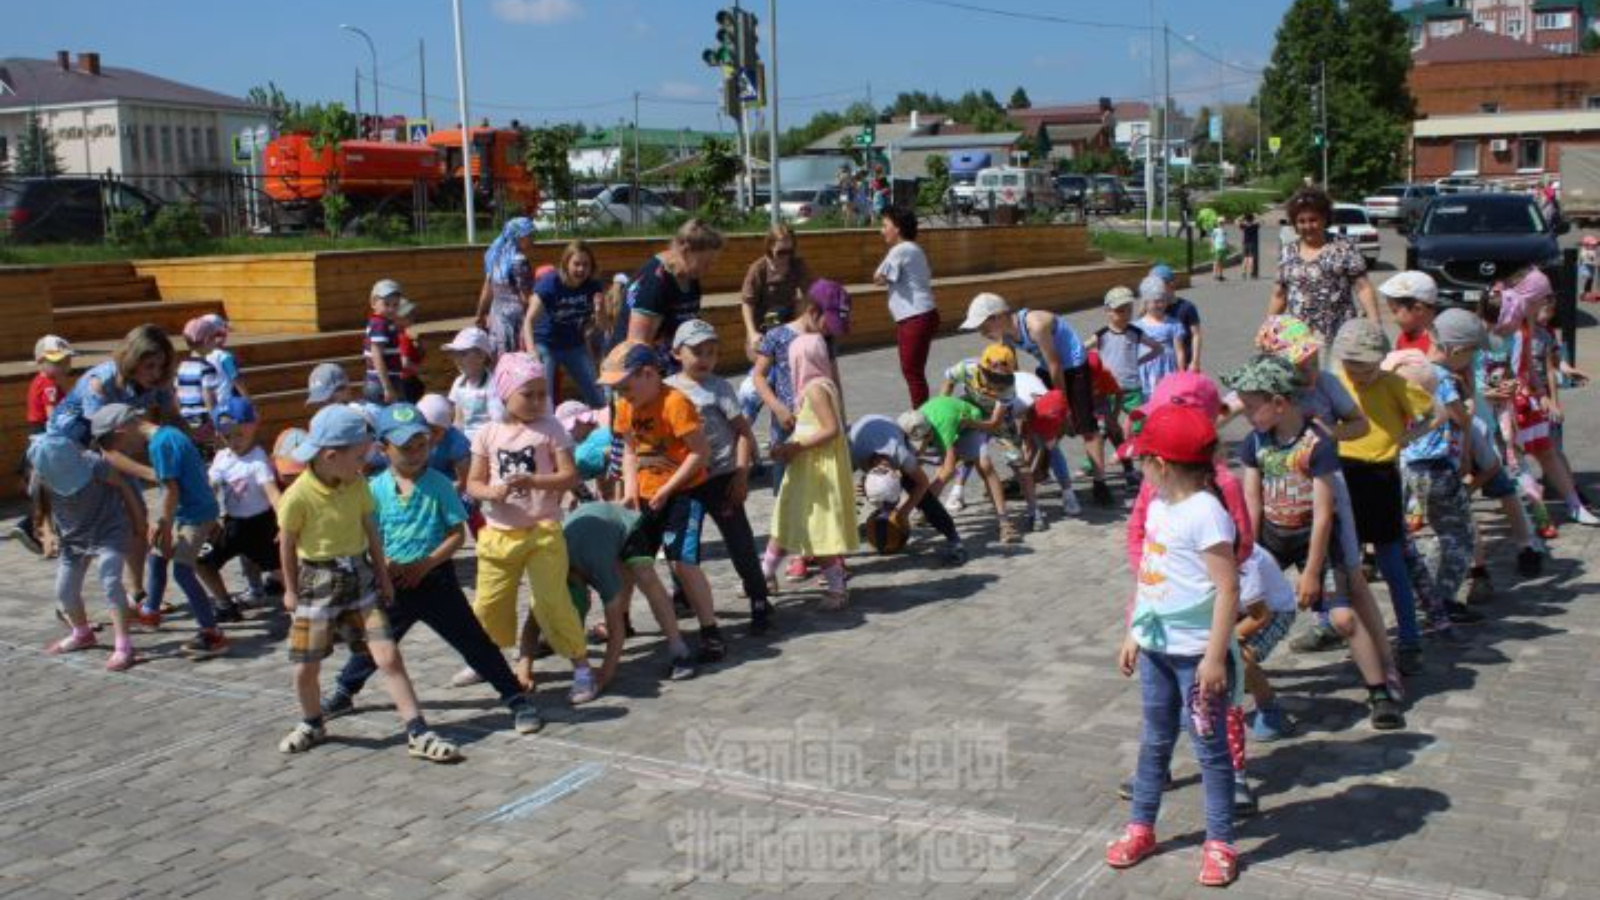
column 421, row 517
column 243, row 475
column 336, row 576
column 1185, row 312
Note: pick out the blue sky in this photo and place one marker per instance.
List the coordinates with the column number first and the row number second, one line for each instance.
column 560, row 60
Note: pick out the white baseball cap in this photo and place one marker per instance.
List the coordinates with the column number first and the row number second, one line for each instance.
column 437, row 410
column 470, row 338
column 387, row 287
column 1412, row 285
column 982, row 308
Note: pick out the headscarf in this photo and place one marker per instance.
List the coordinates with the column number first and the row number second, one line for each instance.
column 513, row 371
column 502, row 254
column 808, row 361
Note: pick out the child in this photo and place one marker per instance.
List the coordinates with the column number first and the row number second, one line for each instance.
column 337, row 581
column 606, row 312
column 821, row 310
column 420, row 517
column 1433, row 465
column 381, row 344
column 665, row 453
column 1179, row 636
column 732, row 447
column 96, row 514
column 53, row 357
column 1588, row 266
column 411, row 353
column 1219, row 250
column 329, row 384
column 988, row 383
column 1183, row 312
column 186, row 519
column 199, row 386
column 241, row 473
column 1399, row 413
column 1413, row 301
column 1301, row 508
column 471, row 392
column 879, row 444
column 1487, row 474
column 815, row 513
column 449, row 451
column 1168, row 333
column 590, row 430
column 222, row 358
column 283, row 462
column 1124, row 349
column 937, row 427
column 1266, row 615
column 521, row 467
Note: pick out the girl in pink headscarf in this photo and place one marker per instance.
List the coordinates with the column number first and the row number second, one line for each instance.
column 521, row 468
column 816, row 510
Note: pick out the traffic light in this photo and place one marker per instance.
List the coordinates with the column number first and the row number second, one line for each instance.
column 1318, row 137
column 725, row 54
column 748, row 57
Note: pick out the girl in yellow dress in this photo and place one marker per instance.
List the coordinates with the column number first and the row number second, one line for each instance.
column 816, row 510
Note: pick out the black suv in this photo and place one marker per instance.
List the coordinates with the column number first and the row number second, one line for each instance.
column 1467, row 242
column 44, row 210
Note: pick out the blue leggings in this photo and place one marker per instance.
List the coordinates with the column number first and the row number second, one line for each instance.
column 188, row 582
column 1392, row 563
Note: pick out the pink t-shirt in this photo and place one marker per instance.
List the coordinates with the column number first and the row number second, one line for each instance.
column 517, row 448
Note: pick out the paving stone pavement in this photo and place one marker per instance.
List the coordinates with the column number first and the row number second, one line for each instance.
column 957, row 733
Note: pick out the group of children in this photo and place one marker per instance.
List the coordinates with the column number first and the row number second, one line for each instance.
column 359, row 516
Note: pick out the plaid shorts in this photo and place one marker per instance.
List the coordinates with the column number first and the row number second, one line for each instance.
column 1262, row 642
column 338, row 602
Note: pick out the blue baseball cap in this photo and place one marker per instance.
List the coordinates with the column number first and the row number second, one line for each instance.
column 61, row 464
column 237, row 411
column 1163, row 272
column 327, row 379
column 332, row 427
column 398, row 423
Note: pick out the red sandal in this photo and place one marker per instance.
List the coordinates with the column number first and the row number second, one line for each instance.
column 1219, row 864
column 1136, row 843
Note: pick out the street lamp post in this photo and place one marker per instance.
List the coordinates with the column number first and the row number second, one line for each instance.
column 466, row 129
column 372, row 49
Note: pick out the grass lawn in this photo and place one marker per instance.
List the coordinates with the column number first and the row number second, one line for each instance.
column 1134, row 247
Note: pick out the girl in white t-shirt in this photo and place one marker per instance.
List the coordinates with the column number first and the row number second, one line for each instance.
column 1180, row 636
column 471, row 392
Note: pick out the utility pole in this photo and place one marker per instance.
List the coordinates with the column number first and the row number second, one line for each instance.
column 422, row 76
column 1166, row 138
column 1322, row 98
column 772, row 108
column 358, row 101
column 748, row 177
column 633, row 211
column 1149, row 134
column 466, row 130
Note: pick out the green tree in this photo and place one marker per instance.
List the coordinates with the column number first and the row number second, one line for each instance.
column 36, row 150
column 710, row 174
column 271, row 98
column 1019, row 99
column 1591, row 42
column 930, row 193
column 545, row 156
column 822, row 124
column 327, row 124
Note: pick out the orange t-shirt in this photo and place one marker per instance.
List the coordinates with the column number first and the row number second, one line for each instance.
column 656, row 432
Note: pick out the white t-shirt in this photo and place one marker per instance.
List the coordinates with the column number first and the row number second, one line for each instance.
column 1261, row 579
column 1173, row 609
column 241, row 481
column 910, row 280
column 474, row 404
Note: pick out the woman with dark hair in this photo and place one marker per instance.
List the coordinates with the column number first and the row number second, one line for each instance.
column 559, row 313
column 773, row 286
column 905, row 272
column 1320, row 279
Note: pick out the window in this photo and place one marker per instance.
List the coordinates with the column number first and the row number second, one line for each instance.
column 5, row 149
column 1488, row 107
column 1563, row 48
column 1465, row 155
column 1530, row 154
column 166, row 144
column 1485, row 23
column 211, row 144
column 197, row 152
column 1513, row 25
column 1443, row 29
column 1552, row 21
column 150, row 142
column 183, row 144
column 133, row 143
column 1592, row 101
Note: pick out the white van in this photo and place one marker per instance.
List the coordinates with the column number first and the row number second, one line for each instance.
column 1026, row 189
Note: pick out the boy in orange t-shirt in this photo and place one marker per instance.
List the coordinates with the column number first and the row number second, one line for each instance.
column 663, row 467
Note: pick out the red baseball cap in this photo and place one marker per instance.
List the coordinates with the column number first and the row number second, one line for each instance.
column 1049, row 415
column 1176, row 433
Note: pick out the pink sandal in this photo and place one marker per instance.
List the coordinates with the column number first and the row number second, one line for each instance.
column 1136, row 843
column 1219, row 864
column 122, row 660
column 72, row 643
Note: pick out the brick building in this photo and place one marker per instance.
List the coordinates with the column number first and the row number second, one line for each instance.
column 1496, row 108
column 1554, row 25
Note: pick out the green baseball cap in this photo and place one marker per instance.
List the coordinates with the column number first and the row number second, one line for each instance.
column 1265, row 374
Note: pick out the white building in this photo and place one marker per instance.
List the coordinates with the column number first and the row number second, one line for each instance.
column 170, row 139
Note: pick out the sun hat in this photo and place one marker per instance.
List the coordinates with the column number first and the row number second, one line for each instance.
column 916, row 426
column 882, row 487
column 1288, row 337
column 1049, row 415
column 470, row 338
column 1264, row 374
column 386, row 288
column 437, row 410
column 332, row 427
column 1152, row 288
column 625, row 359
column 1361, row 341
column 1412, row 285
column 51, row 348
column 1120, row 297
column 1163, row 272
column 982, row 308
column 1459, row 328
column 61, row 464
column 327, row 379
column 398, row 423
column 996, row 355
column 1179, row 434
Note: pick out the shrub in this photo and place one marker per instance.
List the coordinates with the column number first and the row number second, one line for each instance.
column 176, row 230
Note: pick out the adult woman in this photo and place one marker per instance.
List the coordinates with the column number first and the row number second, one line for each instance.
column 666, row 292
column 559, row 312
column 905, row 272
column 139, row 374
column 507, row 286
column 773, row 286
column 1317, row 275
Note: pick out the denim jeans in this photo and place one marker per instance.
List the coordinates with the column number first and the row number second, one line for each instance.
column 437, row 601
column 194, row 593
column 579, row 367
column 1164, row 683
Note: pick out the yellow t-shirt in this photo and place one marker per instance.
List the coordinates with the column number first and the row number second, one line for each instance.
column 329, row 522
column 1391, row 404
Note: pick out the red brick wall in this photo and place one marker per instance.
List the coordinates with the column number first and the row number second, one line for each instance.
column 1522, row 85
column 1434, row 157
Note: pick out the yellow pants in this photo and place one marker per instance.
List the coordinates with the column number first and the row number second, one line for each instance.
column 505, row 555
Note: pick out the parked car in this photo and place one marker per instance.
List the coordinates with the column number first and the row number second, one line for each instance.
column 1399, row 204
column 1026, row 189
column 1458, row 184
column 43, row 210
column 1110, row 196
column 1074, row 189
column 1467, row 242
column 599, row 205
column 801, row 205
column 1351, row 222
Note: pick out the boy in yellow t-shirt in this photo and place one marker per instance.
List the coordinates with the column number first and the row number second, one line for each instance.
column 336, row 580
column 1399, row 412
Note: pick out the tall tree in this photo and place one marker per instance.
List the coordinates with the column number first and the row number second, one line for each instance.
column 1019, row 99
column 36, row 150
column 271, row 98
column 1310, row 33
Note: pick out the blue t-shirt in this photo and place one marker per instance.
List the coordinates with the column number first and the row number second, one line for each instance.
column 1444, row 442
column 1069, row 349
column 71, row 416
column 414, row 526
column 448, row 452
column 567, row 311
column 175, row 458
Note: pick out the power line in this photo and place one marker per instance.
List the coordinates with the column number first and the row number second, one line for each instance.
column 1029, row 16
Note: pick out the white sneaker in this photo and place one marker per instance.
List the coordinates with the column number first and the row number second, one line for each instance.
column 952, row 498
column 1069, row 501
column 1582, row 516
column 466, row 678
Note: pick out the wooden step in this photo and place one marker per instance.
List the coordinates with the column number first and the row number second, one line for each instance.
column 104, row 292
column 289, row 376
column 109, row 322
